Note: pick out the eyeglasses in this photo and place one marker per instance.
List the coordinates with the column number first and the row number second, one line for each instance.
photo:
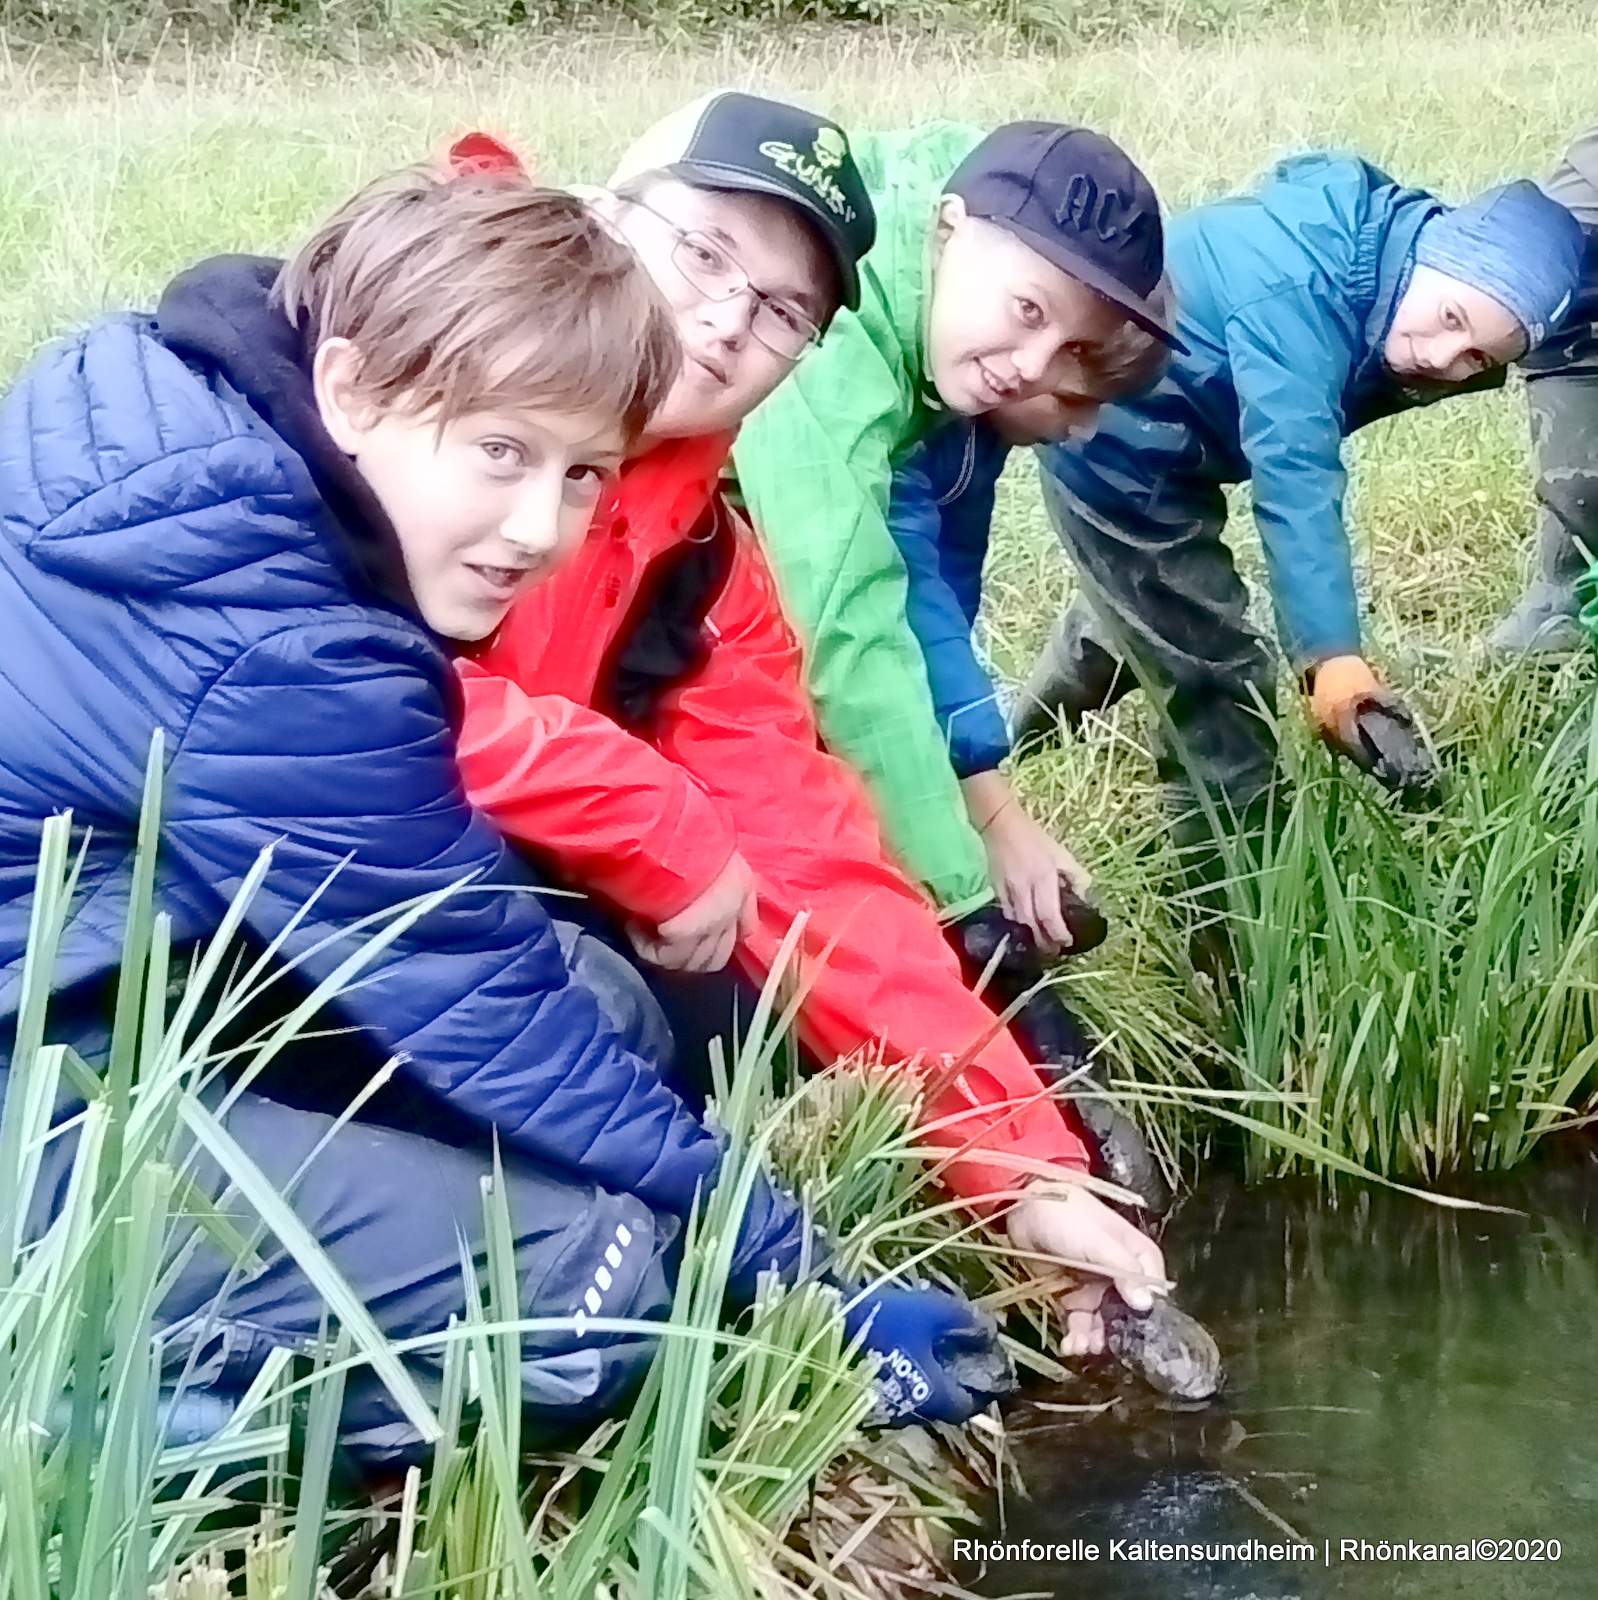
column 778, row 324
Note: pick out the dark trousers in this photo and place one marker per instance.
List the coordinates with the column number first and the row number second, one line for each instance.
column 390, row 1196
column 1163, row 606
column 1562, row 403
column 705, row 1012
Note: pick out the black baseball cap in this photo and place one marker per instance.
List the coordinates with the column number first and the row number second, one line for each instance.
column 745, row 143
column 1081, row 202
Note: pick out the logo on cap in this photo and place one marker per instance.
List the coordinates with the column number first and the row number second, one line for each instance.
column 1090, row 209
column 830, row 148
column 1538, row 331
column 815, row 174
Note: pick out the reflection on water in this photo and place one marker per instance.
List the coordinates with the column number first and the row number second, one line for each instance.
column 1397, row 1372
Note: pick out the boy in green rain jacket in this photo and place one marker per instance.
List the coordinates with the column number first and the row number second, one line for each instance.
column 1007, row 267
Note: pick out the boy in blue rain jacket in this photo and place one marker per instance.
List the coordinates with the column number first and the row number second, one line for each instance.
column 1326, row 298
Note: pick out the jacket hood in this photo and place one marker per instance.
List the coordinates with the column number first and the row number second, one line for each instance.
column 1395, row 266
column 220, row 318
column 906, row 175
column 182, row 454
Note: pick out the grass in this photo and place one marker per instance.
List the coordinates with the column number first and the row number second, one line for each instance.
column 132, row 29
column 111, row 177
column 704, row 1488
column 1417, row 991
column 1419, row 1000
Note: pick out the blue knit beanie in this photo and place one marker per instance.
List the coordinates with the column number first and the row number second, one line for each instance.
column 1514, row 244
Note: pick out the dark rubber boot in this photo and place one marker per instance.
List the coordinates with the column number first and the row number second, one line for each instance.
column 1562, row 406
column 1076, row 672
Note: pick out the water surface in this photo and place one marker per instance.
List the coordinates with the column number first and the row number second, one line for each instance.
column 1397, row 1373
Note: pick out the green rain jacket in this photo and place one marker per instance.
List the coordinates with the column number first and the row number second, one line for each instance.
column 815, row 465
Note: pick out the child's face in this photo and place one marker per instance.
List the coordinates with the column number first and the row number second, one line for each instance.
column 483, row 508
column 1005, row 325
column 690, row 238
column 1444, row 332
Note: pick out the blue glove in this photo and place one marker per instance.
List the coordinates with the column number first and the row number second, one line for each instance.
column 941, row 1360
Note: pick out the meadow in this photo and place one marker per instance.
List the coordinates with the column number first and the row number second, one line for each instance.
column 1417, row 1001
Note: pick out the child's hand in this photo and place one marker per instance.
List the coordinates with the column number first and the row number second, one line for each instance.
column 1079, row 1231
column 701, row 937
column 1084, row 1326
column 1026, row 864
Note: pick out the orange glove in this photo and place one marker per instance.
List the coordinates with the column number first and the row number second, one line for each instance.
column 1369, row 725
column 1339, row 687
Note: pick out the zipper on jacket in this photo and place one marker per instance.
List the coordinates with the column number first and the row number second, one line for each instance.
column 968, row 461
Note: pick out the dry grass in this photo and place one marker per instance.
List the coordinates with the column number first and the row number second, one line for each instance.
column 111, row 177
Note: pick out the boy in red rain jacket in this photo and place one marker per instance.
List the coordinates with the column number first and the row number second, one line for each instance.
column 641, row 718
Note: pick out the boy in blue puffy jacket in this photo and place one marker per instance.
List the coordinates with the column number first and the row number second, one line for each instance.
column 256, row 521
column 1327, row 298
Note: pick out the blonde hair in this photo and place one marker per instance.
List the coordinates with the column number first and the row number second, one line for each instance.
column 476, row 291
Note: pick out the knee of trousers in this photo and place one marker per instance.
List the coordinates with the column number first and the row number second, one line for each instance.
column 1218, row 687
column 1219, row 739
column 562, row 1395
column 616, row 1259
column 620, row 1263
column 1570, row 494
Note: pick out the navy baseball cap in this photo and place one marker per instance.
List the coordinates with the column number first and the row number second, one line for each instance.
column 747, row 143
column 1081, row 202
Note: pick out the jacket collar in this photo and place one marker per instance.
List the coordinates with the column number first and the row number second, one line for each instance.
column 662, row 495
column 1384, row 265
column 219, row 316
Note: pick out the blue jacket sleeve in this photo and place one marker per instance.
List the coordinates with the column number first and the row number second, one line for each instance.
column 475, row 996
column 1290, row 367
column 940, row 515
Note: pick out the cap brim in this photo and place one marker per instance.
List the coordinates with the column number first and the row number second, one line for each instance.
column 708, row 175
column 1076, row 266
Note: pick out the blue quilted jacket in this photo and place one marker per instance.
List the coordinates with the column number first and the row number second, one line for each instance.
column 182, row 548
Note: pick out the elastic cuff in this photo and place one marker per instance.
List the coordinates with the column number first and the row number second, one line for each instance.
column 1306, row 662
column 977, row 765
column 952, row 911
column 664, row 910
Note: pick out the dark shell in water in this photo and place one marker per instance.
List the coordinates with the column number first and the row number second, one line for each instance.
column 1165, row 1347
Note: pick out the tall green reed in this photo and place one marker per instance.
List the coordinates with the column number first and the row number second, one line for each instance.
column 1417, row 991
column 701, row 1490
